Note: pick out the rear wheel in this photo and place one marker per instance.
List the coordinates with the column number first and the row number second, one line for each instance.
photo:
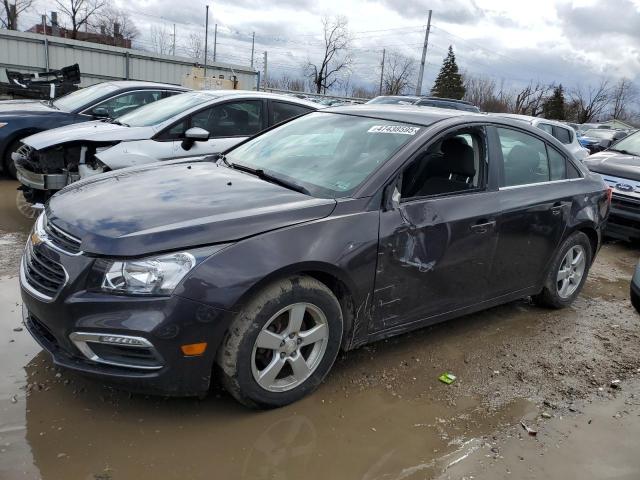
column 568, row 272
column 8, row 164
column 282, row 344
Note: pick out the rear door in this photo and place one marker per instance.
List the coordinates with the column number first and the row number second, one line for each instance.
column 437, row 245
column 534, row 210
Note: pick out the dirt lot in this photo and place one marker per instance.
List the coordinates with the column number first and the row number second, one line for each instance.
column 381, row 414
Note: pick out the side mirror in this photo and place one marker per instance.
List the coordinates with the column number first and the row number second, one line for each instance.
column 604, row 144
column 100, row 112
column 193, row 135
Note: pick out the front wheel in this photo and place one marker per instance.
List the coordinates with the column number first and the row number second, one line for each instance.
column 282, row 344
column 568, row 272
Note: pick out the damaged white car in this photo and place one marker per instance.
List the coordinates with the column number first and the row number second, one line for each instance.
column 189, row 125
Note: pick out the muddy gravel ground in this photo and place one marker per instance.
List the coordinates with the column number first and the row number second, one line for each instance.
column 381, row 413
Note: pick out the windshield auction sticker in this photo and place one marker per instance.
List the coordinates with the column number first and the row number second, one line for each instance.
column 397, row 129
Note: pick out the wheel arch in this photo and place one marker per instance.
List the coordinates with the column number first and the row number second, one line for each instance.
column 592, row 234
column 331, row 276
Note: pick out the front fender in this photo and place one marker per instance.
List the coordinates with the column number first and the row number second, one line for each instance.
column 120, row 156
column 343, row 245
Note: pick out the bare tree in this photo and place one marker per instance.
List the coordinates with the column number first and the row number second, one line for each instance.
column 336, row 56
column 194, row 47
column 623, row 95
column 364, row 92
column 591, row 101
column 79, row 12
column 114, row 23
column 398, row 71
column 486, row 94
column 161, row 39
column 11, row 11
column 529, row 100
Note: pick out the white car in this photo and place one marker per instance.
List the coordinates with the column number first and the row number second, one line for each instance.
column 191, row 124
column 561, row 131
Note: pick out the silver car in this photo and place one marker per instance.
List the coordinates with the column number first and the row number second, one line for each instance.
column 192, row 124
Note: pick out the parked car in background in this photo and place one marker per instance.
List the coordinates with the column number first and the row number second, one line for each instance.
column 394, row 100
column 598, row 139
column 333, row 230
column 619, row 166
column 562, row 131
column 193, row 124
column 437, row 102
column 635, row 289
column 21, row 118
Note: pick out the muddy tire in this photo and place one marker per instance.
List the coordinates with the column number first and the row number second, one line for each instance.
column 282, row 344
column 8, row 165
column 567, row 274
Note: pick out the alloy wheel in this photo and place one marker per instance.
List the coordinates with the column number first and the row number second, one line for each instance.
column 290, row 347
column 571, row 271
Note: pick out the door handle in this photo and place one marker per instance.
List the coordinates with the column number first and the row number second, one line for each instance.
column 483, row 227
column 556, row 209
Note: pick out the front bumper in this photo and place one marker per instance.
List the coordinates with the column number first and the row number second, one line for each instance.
column 44, row 181
column 624, row 218
column 165, row 322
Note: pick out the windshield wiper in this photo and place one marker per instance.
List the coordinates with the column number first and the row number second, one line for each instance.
column 118, row 122
column 258, row 172
column 221, row 156
column 624, row 152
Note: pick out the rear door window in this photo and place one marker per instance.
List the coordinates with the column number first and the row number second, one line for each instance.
column 281, row 111
column 546, row 127
column 557, row 165
column 524, row 156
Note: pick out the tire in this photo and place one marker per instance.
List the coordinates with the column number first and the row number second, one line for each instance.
column 8, row 164
column 552, row 294
column 635, row 300
column 246, row 367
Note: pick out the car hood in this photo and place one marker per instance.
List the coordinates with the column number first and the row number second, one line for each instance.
column 94, row 131
column 616, row 164
column 164, row 207
column 17, row 107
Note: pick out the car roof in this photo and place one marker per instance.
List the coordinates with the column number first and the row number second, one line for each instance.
column 531, row 119
column 256, row 94
column 418, row 115
column 142, row 84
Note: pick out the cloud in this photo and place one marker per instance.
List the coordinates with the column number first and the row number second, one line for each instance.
column 615, row 17
column 448, row 11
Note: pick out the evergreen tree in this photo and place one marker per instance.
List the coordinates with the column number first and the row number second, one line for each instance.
column 449, row 83
column 554, row 107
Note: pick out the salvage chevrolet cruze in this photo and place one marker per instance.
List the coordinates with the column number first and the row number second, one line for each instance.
column 333, row 230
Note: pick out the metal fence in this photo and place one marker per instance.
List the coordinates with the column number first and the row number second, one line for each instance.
column 31, row 52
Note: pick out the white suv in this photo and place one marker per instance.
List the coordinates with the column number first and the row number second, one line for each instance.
column 561, row 131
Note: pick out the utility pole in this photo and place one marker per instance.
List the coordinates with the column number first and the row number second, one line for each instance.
column 206, row 38
column 424, row 56
column 174, row 40
column 265, row 71
column 215, row 41
column 381, row 71
column 253, row 46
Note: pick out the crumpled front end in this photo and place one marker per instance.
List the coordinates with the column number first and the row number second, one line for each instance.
column 44, row 172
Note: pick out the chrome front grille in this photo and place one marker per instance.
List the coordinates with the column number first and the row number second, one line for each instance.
column 61, row 239
column 41, row 273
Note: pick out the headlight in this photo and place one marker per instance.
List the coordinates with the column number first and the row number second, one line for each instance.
column 149, row 276
column 3, row 124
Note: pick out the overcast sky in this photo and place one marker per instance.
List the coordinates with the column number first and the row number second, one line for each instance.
column 569, row 42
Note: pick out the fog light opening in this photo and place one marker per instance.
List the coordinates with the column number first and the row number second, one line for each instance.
column 194, row 349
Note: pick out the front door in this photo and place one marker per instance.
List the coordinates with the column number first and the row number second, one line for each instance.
column 437, row 243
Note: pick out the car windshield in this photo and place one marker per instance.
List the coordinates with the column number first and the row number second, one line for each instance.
column 393, row 100
column 328, row 154
column 599, row 133
column 630, row 144
column 157, row 112
column 84, row 97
